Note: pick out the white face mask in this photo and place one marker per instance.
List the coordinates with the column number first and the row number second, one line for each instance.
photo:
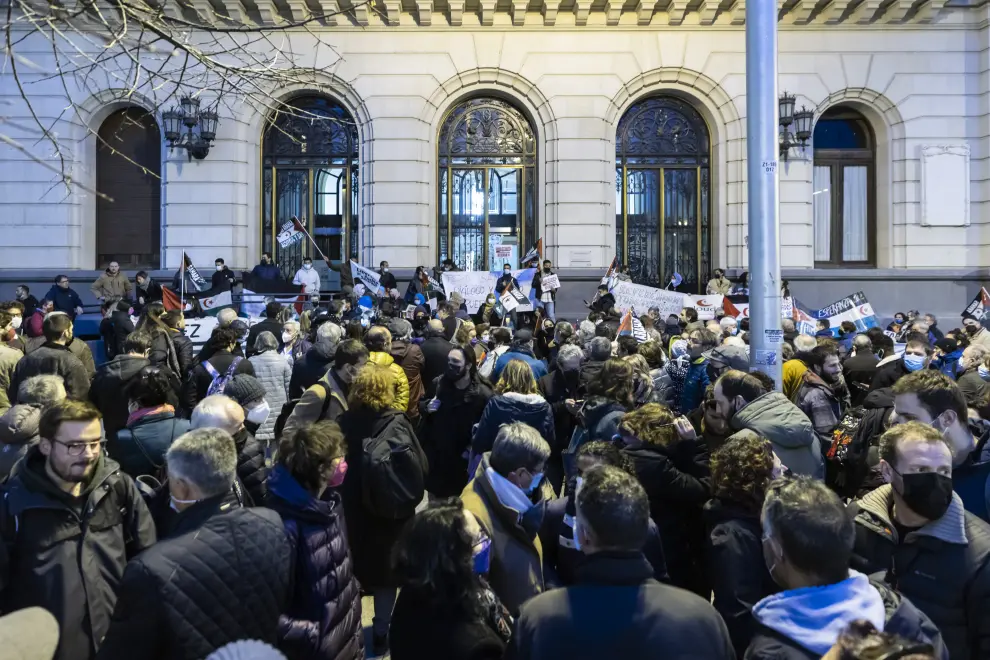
column 385, row 269
column 16, row 322
column 307, row 266
column 173, row 500
column 219, row 267
column 287, row 337
column 258, row 414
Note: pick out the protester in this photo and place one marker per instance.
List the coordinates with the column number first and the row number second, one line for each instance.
column 609, row 396
column 821, row 596
column 742, row 470
column 9, row 357
column 108, row 389
column 163, row 351
column 445, row 608
column 267, row 270
column 563, row 390
column 379, row 342
column 719, row 285
column 227, row 413
column 859, row 369
column 114, row 327
column 819, row 396
column 274, row 373
column 521, row 349
column 294, row 342
column 271, row 324
column 317, row 360
column 793, row 369
column 448, row 419
column 23, row 295
column 946, row 357
column 34, row 325
column 861, row 641
column 917, row 355
column 502, row 339
column 221, row 575
column 372, row 531
column 223, row 278
column 978, row 335
column 19, row 426
column 970, row 379
column 346, row 275
column 147, row 290
column 323, row 617
column 53, row 357
column 616, row 608
column 410, row 357
column 696, row 380
column 151, row 427
column 516, row 399
column 745, row 404
column 916, row 520
column 507, row 496
column 326, row 400
column 209, row 376
column 111, row 284
column 64, row 299
column 547, row 297
column 78, row 522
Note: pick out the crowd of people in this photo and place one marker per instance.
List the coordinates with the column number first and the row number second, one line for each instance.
column 500, row 486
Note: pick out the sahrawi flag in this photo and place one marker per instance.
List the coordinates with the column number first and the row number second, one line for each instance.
column 632, row 327
column 212, row 302
column 980, row 307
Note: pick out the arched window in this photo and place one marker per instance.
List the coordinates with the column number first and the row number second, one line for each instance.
column 662, row 199
column 487, row 191
column 844, row 202
column 310, row 171
column 128, row 169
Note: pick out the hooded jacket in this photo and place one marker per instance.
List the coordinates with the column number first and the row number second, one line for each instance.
column 859, row 371
column 323, row 618
column 114, row 330
column 67, row 555
column 107, row 392
column 803, row 624
column 64, row 300
column 695, row 383
column 520, row 352
column 788, row 429
column 410, row 357
column 943, row 567
column 111, row 286
column 510, row 407
column 9, row 357
column 140, row 447
column 401, row 401
column 275, row 375
column 53, row 359
column 18, row 433
column 818, row 400
column 312, row 367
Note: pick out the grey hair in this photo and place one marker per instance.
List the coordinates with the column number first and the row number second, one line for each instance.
column 727, row 321
column 787, row 325
column 217, row 411
column 265, row 342
column 972, row 354
column 41, row 391
column 586, row 331
column 205, row 458
column 403, row 329
column 862, row 341
column 600, row 349
column 329, row 333
column 804, row 343
column 225, row 317
column 518, row 445
column 568, row 351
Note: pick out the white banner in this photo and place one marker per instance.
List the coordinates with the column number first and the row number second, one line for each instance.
column 641, row 298
column 704, row 305
column 550, row 282
column 474, row 285
column 372, row 280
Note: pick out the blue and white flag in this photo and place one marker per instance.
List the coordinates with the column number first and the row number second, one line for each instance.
column 854, row 308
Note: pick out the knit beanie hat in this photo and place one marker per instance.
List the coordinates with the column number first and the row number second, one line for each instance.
column 244, row 389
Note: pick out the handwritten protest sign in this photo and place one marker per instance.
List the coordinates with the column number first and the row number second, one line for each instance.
column 642, row 298
column 473, row 285
column 550, row 282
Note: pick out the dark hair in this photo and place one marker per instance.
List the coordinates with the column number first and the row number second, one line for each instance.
column 151, row 319
column 766, row 381
column 137, row 342
column 607, row 453
column 434, row 556
column 59, row 278
column 690, row 314
column 13, row 304
column 738, row 383
column 141, row 273
column 804, row 517
column 653, row 353
column 892, row 438
column 615, row 382
column 917, row 340
column 353, row 330
column 847, row 327
column 615, row 507
column 272, row 309
column 861, row 641
column 936, row 392
column 817, row 356
column 5, row 318
column 501, row 335
column 219, row 260
column 223, row 337
column 67, row 410
column 628, row 345
column 171, row 319
column 470, row 360
column 150, row 388
column 349, row 351
column 309, row 259
column 310, row 451
column 55, row 326
column 23, row 286
column 825, row 323
column 882, row 343
column 705, row 337
column 742, row 469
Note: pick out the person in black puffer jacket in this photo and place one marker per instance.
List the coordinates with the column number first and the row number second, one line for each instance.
column 107, row 391
column 323, row 619
column 673, row 469
column 222, row 574
column 222, row 412
column 741, row 472
column 562, row 389
column 176, row 324
column 115, row 327
column 317, row 361
column 151, row 428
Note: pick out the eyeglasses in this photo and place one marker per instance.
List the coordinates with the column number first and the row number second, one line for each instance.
column 77, row 448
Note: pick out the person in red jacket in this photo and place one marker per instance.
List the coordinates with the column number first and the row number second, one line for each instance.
column 34, row 326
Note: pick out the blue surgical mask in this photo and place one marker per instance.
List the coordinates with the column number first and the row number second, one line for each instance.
column 984, row 373
column 535, row 483
column 914, row 362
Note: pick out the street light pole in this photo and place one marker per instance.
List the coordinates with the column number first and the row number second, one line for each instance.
column 762, row 149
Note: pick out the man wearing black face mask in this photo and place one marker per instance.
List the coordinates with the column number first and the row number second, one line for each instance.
column 563, row 390
column 915, row 529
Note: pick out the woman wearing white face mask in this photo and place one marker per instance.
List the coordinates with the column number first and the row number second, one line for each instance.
column 274, row 373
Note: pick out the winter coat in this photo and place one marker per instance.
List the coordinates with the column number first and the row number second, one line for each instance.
column 149, row 293
column 64, row 300
column 9, row 357
column 67, row 555
column 401, row 401
column 487, row 366
column 538, row 287
column 53, row 359
column 184, row 353
column 948, row 364
column 810, row 625
column 435, row 351
column 274, row 373
column 107, row 392
column 523, row 353
column 617, row 610
column 223, row 279
column 974, row 388
column 266, row 272
column 199, row 380
column 858, row 372
column 223, row 574
column 388, row 281
column 81, row 350
column 677, row 481
column 557, row 387
column 516, row 570
column 409, row 356
column 114, row 330
column 323, row 618
column 312, row 367
column 818, row 401
column 511, row 407
column 313, row 405
column 943, row 567
column 695, row 383
column 561, row 558
column 30, row 305
column 600, row 418
column 111, row 286
column 888, row 374
column 163, row 352
column 140, row 447
column 268, row 325
column 788, row 429
column 447, row 433
column 371, row 537
column 18, row 433
column 346, row 273
column 718, row 286
column 423, row 630
column 252, row 469
column 971, row 482
column 310, row 280
column 982, row 337
column 34, row 325
column 736, row 568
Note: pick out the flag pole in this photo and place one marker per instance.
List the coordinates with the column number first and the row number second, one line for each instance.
column 312, row 240
column 182, row 281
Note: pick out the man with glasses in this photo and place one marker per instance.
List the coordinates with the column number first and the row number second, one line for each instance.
column 69, row 522
column 63, row 298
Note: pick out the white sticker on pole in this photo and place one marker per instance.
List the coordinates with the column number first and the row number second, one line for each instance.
column 766, row 358
column 774, row 337
column 769, row 166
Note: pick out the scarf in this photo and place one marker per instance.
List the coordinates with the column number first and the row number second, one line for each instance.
column 141, row 413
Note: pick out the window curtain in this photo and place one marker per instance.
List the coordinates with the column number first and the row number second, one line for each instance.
column 822, row 209
column 854, row 213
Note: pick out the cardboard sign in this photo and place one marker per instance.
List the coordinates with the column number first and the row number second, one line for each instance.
column 641, row 298
column 410, row 312
column 550, row 282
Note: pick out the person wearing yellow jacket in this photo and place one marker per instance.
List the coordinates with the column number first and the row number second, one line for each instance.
column 379, row 343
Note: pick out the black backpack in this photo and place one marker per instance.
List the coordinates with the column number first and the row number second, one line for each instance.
column 393, row 470
column 845, row 458
column 290, row 405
